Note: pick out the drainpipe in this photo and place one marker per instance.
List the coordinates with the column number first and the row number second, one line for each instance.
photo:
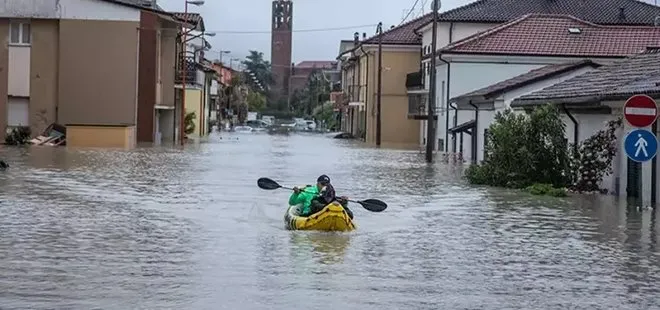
column 366, row 96
column 576, row 134
column 475, row 134
column 448, row 105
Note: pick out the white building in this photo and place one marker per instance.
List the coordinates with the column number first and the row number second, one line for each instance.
column 467, row 75
column 514, row 48
column 598, row 96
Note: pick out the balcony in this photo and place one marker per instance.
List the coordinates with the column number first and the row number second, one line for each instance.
column 415, row 81
column 190, row 71
column 417, row 107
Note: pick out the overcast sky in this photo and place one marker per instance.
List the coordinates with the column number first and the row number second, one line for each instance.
column 254, row 15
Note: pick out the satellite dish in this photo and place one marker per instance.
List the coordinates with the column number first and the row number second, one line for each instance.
column 439, row 4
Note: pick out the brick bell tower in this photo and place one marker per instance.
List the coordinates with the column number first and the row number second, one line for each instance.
column 281, row 46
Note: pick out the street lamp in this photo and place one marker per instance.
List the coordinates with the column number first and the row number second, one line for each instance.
column 223, row 52
column 231, row 62
column 182, row 127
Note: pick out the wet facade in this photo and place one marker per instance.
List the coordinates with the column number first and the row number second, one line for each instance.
column 86, row 64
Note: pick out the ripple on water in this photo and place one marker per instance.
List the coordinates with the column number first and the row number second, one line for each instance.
column 166, row 228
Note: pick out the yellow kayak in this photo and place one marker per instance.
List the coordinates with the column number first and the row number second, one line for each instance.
column 332, row 217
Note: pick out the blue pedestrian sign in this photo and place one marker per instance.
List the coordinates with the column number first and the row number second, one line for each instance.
column 641, row 145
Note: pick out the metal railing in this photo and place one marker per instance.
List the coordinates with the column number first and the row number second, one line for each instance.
column 189, row 66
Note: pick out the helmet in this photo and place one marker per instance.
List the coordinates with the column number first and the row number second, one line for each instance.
column 324, row 180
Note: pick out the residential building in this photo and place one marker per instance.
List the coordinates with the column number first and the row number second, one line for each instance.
column 400, row 55
column 197, row 73
column 516, row 47
column 79, row 63
column 482, row 104
column 476, row 17
column 591, row 99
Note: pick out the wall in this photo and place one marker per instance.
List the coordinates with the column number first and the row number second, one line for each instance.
column 396, row 129
column 98, row 72
column 148, row 94
column 194, row 104
column 100, row 136
column 43, row 77
column 68, row 9
column 4, row 76
column 466, row 77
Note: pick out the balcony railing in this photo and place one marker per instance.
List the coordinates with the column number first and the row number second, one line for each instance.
column 186, row 66
column 418, row 105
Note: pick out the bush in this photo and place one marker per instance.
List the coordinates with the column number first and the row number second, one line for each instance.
column 546, row 190
column 189, row 122
column 592, row 158
column 524, row 149
column 18, row 136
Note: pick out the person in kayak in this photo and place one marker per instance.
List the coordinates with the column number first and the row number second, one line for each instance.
column 304, row 196
column 327, row 195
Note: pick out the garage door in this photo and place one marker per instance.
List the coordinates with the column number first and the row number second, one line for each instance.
column 18, row 112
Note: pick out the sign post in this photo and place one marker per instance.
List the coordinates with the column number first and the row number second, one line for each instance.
column 640, row 111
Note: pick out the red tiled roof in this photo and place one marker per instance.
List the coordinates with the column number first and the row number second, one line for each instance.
column 194, row 19
column 639, row 74
column 329, row 64
column 403, row 34
column 549, row 35
column 605, row 12
column 526, row 79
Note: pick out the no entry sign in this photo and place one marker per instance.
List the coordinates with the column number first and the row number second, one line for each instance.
column 640, row 111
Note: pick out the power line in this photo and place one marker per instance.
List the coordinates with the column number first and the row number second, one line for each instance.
column 410, row 12
column 294, row 30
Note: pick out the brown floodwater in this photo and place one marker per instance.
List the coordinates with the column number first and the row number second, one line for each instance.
column 169, row 228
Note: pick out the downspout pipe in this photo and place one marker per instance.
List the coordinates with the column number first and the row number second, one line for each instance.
column 448, row 105
column 475, row 134
column 576, row 127
column 366, row 96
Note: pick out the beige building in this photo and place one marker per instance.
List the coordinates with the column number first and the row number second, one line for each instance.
column 102, row 68
column 401, row 55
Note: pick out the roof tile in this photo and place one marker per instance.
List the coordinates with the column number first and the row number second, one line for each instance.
column 605, row 12
column 403, row 34
column 194, row 19
column 545, row 34
column 637, row 74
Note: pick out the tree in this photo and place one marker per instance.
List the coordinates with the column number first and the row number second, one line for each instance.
column 314, row 94
column 261, row 68
column 256, row 101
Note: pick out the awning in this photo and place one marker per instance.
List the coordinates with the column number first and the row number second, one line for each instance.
column 465, row 127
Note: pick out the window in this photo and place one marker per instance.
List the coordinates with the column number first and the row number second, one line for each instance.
column 19, row 33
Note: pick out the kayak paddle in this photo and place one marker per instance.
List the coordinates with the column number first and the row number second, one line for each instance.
column 373, row 205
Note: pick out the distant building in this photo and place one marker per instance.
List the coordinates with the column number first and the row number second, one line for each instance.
column 301, row 72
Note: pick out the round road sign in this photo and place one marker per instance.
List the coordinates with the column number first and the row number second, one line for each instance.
column 640, row 111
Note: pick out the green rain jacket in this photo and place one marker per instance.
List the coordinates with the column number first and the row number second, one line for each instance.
column 304, row 198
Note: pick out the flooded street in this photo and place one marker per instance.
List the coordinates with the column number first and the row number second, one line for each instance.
column 162, row 228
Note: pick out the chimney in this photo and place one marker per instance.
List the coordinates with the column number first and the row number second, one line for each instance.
column 622, row 13
column 364, row 36
column 356, row 38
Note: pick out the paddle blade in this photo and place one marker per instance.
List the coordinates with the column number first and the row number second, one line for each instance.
column 268, row 184
column 373, row 205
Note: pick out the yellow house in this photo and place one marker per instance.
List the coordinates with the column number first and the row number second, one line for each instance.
column 401, row 54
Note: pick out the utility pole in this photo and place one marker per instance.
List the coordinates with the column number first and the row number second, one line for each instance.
column 430, row 133
column 379, row 31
